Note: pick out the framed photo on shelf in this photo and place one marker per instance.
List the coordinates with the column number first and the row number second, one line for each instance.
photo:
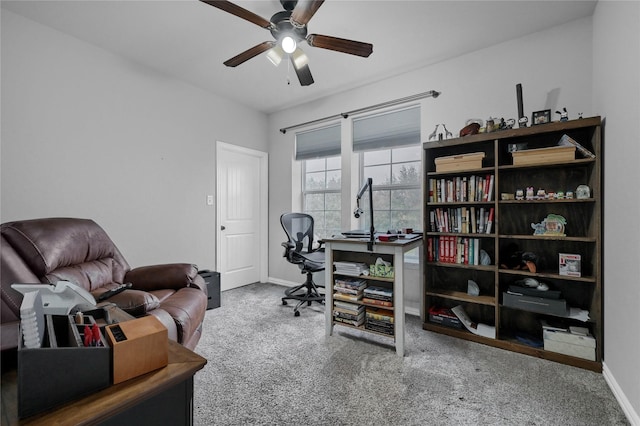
column 541, row 117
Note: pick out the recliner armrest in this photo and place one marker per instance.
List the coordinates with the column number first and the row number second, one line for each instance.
column 167, row 276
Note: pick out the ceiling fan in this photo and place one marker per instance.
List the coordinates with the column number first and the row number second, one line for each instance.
column 289, row 28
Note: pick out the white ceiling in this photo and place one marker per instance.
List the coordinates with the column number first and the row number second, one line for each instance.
column 190, row 40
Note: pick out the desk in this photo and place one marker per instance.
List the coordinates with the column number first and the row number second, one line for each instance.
column 355, row 250
column 163, row 396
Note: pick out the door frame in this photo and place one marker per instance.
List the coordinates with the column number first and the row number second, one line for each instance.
column 263, row 207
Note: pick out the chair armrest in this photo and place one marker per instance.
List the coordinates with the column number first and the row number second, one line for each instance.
column 167, row 276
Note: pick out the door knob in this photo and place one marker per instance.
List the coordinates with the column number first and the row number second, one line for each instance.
column 222, row 228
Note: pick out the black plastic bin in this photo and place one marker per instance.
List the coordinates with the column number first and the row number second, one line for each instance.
column 212, row 278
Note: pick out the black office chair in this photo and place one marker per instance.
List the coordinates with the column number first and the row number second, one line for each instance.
column 299, row 230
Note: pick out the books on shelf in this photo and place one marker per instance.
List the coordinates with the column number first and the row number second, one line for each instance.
column 452, row 249
column 458, row 189
column 463, row 220
column 348, row 313
column 351, row 268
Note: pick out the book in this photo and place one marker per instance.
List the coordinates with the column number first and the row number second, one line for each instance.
column 345, row 297
column 567, row 140
column 377, row 302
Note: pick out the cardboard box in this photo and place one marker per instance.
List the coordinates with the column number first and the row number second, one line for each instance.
column 551, row 155
column 535, row 304
column 139, row 346
column 454, row 163
column 570, row 344
column 62, row 370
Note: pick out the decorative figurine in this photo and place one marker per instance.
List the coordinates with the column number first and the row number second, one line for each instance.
column 564, row 115
column 530, row 195
column 489, row 125
column 541, row 194
column 522, row 121
column 519, row 194
column 583, row 191
column 447, row 133
column 434, row 134
column 569, row 195
column 553, row 224
column 560, row 195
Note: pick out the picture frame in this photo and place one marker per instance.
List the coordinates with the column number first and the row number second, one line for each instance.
column 541, row 117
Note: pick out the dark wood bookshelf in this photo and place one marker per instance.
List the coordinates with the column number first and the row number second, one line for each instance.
column 446, row 283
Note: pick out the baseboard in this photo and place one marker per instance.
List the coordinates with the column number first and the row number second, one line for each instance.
column 626, row 406
column 283, row 282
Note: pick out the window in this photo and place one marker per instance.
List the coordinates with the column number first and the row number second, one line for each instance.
column 319, row 151
column 321, row 194
column 396, row 187
column 390, row 154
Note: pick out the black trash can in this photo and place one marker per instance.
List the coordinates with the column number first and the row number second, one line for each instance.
column 212, row 278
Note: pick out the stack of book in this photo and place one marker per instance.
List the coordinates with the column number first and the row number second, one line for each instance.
column 379, row 320
column 348, row 313
column 350, row 268
column 380, row 296
column 349, row 289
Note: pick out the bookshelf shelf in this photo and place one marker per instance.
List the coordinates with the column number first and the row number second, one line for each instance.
column 450, row 206
column 376, row 319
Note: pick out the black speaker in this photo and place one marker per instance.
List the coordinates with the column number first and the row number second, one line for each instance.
column 212, row 279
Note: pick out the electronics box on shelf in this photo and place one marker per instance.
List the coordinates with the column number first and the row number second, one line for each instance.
column 62, row 369
column 535, row 304
column 570, row 344
column 139, row 346
column 554, row 154
column 455, row 163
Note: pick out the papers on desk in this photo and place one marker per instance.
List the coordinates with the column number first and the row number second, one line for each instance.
column 351, row 268
column 483, row 330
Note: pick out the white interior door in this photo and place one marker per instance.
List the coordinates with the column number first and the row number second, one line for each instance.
column 241, row 215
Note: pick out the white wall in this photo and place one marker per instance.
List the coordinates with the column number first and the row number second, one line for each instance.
column 616, row 92
column 89, row 134
column 477, row 85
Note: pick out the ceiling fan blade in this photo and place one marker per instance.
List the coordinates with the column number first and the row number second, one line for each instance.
column 240, row 12
column 250, row 53
column 304, row 11
column 302, row 71
column 340, row 45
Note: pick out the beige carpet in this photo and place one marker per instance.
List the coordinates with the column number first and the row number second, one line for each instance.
column 267, row 367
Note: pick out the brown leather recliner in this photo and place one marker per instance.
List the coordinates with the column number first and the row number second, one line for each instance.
column 79, row 251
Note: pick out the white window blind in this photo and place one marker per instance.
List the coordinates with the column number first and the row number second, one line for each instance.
column 387, row 130
column 318, row 143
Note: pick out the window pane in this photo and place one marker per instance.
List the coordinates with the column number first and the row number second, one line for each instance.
column 381, row 175
column 334, row 163
column 405, row 199
column 333, row 202
column 313, row 202
column 377, row 157
column 408, row 153
column 406, row 174
column 333, row 179
column 333, row 219
column 315, row 180
column 315, row 165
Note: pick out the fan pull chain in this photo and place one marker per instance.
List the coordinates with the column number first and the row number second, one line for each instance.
column 288, row 72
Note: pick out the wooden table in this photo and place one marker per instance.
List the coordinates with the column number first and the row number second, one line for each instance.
column 164, row 396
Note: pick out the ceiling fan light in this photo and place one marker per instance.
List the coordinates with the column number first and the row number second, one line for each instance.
column 288, row 44
column 275, row 55
column 300, row 59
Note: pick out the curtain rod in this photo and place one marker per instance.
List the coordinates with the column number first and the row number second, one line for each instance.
column 430, row 93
